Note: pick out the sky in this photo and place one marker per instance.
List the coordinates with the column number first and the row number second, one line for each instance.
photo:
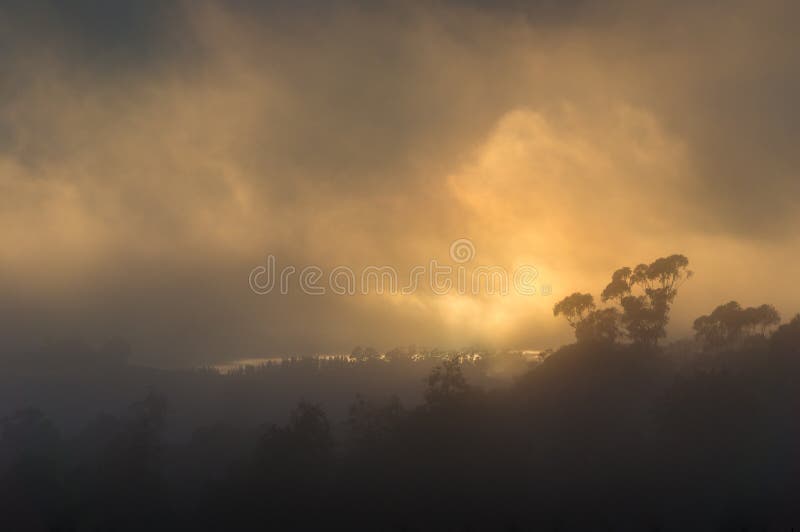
column 153, row 154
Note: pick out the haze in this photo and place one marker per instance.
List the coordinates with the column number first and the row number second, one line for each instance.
column 151, row 155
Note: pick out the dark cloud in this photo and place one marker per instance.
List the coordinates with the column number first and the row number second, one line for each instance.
column 106, row 34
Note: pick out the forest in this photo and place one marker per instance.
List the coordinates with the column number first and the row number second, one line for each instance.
column 619, row 430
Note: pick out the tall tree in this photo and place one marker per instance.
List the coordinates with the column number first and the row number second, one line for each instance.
column 646, row 294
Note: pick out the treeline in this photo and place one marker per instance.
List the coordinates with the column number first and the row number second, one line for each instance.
column 71, row 381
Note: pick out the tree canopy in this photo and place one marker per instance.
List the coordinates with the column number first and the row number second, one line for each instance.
column 643, row 297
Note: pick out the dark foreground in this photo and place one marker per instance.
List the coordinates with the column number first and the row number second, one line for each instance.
column 598, row 437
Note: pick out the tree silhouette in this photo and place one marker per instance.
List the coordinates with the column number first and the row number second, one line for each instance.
column 729, row 323
column 644, row 315
column 599, row 326
column 574, row 308
column 786, row 339
column 446, row 383
column 369, row 424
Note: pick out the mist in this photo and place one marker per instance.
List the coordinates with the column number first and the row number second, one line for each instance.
column 454, row 265
column 154, row 155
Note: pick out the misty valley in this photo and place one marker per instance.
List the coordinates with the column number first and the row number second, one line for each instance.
column 618, row 430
